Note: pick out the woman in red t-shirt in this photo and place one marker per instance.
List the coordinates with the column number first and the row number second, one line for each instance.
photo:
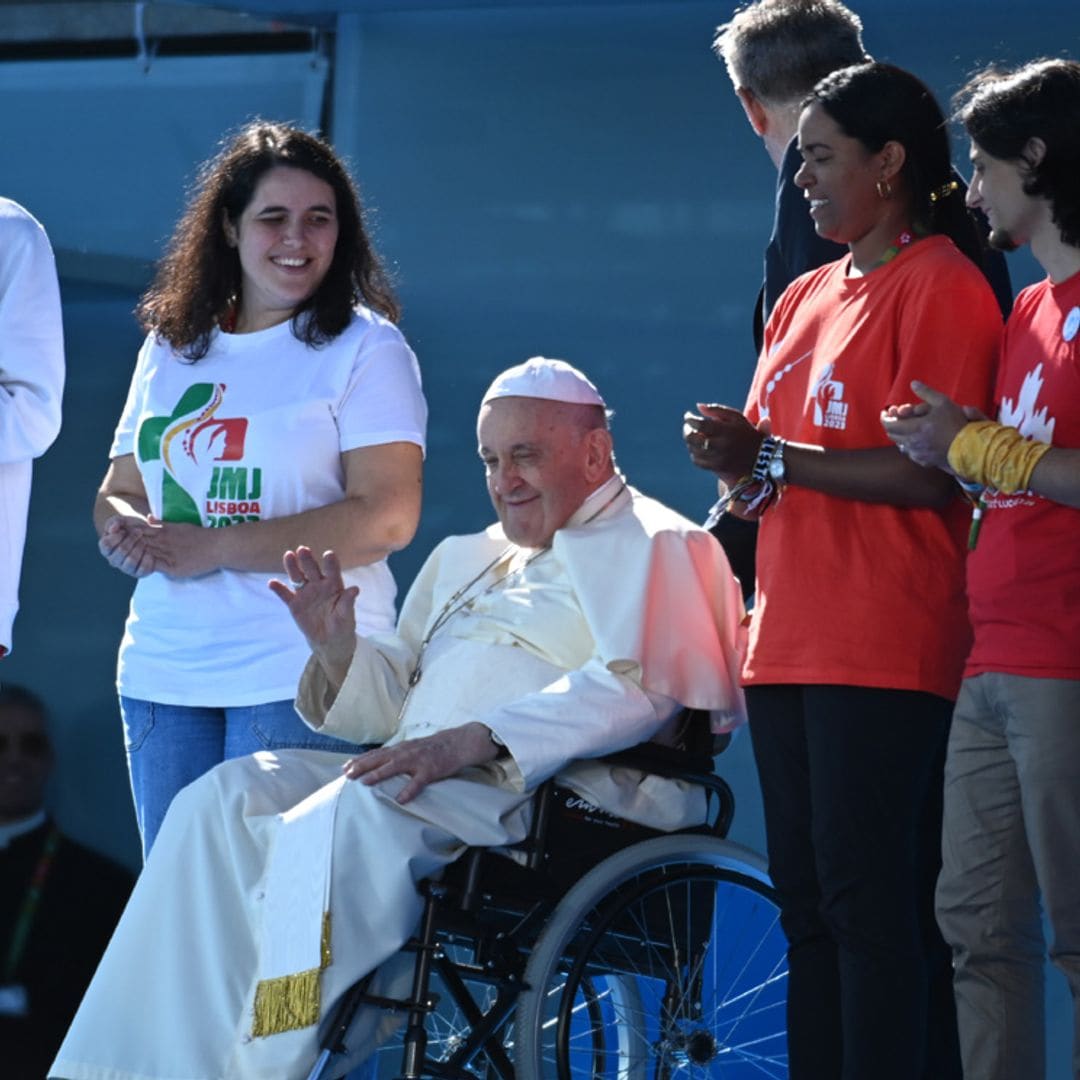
column 859, row 629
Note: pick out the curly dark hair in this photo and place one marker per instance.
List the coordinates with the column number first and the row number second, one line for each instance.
column 198, row 282
column 1002, row 111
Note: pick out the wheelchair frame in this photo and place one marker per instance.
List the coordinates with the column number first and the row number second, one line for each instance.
column 554, row 1000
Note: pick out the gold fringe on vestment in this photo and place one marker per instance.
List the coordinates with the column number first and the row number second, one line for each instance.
column 290, row 1002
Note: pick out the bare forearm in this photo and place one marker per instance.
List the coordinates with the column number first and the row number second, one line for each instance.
column 359, row 532
column 878, row 475
column 1057, row 476
column 109, row 505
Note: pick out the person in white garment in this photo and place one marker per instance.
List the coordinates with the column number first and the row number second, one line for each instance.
column 31, row 384
column 574, row 627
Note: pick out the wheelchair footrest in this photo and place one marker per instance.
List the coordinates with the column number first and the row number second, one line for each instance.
column 429, row 1005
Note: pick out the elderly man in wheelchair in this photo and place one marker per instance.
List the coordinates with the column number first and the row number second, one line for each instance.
column 586, row 622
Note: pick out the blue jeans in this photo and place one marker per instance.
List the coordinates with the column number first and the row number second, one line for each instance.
column 168, row 746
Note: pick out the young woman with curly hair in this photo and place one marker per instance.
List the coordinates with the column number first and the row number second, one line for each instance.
column 274, row 403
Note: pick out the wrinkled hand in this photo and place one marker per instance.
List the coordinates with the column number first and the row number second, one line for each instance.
column 424, row 760
column 321, row 606
column 924, row 430
column 722, row 440
column 126, row 544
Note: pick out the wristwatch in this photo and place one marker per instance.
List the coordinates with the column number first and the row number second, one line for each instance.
column 769, row 463
column 777, row 468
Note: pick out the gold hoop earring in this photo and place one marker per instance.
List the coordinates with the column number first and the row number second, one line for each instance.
column 884, row 189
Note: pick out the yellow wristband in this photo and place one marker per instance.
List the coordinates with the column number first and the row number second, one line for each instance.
column 995, row 456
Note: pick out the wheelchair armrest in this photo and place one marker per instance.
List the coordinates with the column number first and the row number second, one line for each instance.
column 668, row 761
column 676, row 763
column 693, row 748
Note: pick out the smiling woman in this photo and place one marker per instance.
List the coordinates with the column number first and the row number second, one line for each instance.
column 844, row 185
column 285, row 240
column 274, row 404
column 859, row 631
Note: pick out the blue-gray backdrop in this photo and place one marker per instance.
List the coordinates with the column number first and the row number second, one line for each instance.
column 577, row 181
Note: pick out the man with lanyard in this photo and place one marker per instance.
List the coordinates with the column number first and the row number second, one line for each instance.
column 574, row 627
column 59, row 902
column 1012, row 802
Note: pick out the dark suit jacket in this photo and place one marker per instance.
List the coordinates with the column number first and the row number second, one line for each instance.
column 83, row 897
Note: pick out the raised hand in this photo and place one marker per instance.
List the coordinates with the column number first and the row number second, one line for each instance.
column 321, row 606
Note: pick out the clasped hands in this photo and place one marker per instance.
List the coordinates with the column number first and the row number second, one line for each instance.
column 139, row 546
column 323, row 607
column 925, row 430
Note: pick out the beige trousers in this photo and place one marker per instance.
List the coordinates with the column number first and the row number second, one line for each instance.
column 1011, row 835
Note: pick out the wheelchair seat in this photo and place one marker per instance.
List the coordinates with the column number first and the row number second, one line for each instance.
column 602, row 949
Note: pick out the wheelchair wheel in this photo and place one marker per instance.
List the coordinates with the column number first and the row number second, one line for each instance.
column 666, row 960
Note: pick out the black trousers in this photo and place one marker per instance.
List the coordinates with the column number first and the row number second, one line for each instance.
column 851, row 780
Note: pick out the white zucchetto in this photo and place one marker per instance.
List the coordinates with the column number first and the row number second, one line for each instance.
column 552, row 380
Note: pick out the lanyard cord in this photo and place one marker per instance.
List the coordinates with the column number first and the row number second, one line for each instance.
column 21, row 934
column 460, row 599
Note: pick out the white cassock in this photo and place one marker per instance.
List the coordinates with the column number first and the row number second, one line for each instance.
column 275, row 883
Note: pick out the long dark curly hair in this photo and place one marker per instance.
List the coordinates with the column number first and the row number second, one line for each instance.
column 198, row 282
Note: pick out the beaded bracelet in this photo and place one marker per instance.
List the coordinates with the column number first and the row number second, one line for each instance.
column 766, row 452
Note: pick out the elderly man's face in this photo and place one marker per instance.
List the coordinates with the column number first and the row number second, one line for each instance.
column 540, row 464
column 25, row 762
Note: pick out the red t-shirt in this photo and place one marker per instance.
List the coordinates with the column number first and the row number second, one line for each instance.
column 850, row 592
column 1024, row 574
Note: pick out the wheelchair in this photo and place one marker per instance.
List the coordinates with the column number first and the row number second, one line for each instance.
column 601, row 950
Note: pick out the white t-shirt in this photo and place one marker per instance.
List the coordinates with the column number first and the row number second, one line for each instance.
column 253, row 430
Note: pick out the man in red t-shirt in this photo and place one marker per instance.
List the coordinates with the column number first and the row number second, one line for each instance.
column 1012, row 800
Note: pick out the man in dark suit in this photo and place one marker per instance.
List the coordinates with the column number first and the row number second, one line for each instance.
column 59, row 901
column 775, row 51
